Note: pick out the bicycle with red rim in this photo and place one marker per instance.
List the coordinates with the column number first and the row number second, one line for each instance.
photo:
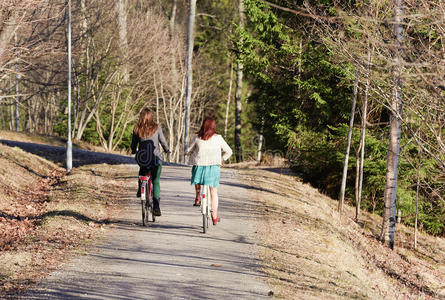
column 147, row 199
column 146, row 160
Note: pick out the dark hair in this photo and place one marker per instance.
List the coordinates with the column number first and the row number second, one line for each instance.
column 208, row 128
column 146, row 125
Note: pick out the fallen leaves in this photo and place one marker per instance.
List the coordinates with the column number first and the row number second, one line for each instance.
column 43, row 219
column 46, row 216
column 18, row 219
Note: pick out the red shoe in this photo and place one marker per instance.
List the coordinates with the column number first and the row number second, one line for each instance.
column 197, row 201
column 215, row 220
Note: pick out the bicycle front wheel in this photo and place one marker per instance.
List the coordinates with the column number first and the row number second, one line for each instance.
column 205, row 222
column 205, row 208
column 150, row 209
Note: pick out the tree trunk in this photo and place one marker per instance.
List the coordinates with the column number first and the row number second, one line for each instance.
column 2, row 118
column 362, row 139
column 417, row 196
column 123, row 38
column 260, row 142
column 17, row 97
column 229, row 97
column 173, row 89
column 79, row 117
column 29, row 111
column 239, row 93
column 348, row 144
column 188, row 89
column 390, row 196
column 9, row 26
column 11, row 117
column 46, row 119
column 181, row 128
column 172, row 18
column 357, row 176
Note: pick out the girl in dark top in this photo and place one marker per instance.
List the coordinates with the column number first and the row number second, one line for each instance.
column 147, row 131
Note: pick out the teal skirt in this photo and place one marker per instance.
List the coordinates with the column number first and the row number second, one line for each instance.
column 208, row 175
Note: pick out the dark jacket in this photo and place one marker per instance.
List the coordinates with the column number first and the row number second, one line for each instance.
column 156, row 139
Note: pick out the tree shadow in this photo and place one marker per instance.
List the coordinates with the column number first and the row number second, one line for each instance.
column 69, row 213
column 248, row 187
column 57, row 154
column 81, row 157
column 54, row 213
column 10, row 217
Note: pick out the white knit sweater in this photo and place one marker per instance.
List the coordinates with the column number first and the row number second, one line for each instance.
column 208, row 152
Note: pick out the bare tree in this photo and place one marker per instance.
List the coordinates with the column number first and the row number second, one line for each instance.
column 29, row 37
column 417, row 196
column 229, row 98
column 189, row 74
column 239, row 91
column 348, row 143
column 122, row 7
column 363, row 138
column 389, row 213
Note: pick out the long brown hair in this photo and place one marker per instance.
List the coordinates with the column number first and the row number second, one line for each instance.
column 146, row 126
column 208, row 128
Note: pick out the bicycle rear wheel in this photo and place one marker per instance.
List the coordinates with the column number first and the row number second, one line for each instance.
column 150, row 202
column 144, row 202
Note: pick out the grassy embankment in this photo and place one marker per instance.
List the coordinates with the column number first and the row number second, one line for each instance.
column 46, row 216
column 309, row 252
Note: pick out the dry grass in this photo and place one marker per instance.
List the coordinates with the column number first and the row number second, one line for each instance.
column 308, row 252
column 46, row 216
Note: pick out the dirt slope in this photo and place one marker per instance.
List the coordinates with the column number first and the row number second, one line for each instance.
column 46, row 215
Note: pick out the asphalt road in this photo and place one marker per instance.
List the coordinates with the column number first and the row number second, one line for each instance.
column 172, row 258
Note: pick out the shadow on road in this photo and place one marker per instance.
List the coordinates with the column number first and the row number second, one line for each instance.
column 248, row 187
column 81, row 157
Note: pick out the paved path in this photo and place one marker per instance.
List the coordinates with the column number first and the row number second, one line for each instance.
column 172, row 259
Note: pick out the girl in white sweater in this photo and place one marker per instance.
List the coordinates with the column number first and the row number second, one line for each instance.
column 205, row 156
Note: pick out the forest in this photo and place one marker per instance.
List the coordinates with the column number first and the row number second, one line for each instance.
column 350, row 93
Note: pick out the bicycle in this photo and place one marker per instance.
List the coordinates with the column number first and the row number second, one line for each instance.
column 147, row 199
column 206, row 207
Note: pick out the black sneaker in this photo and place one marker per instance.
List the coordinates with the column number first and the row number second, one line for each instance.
column 157, row 211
